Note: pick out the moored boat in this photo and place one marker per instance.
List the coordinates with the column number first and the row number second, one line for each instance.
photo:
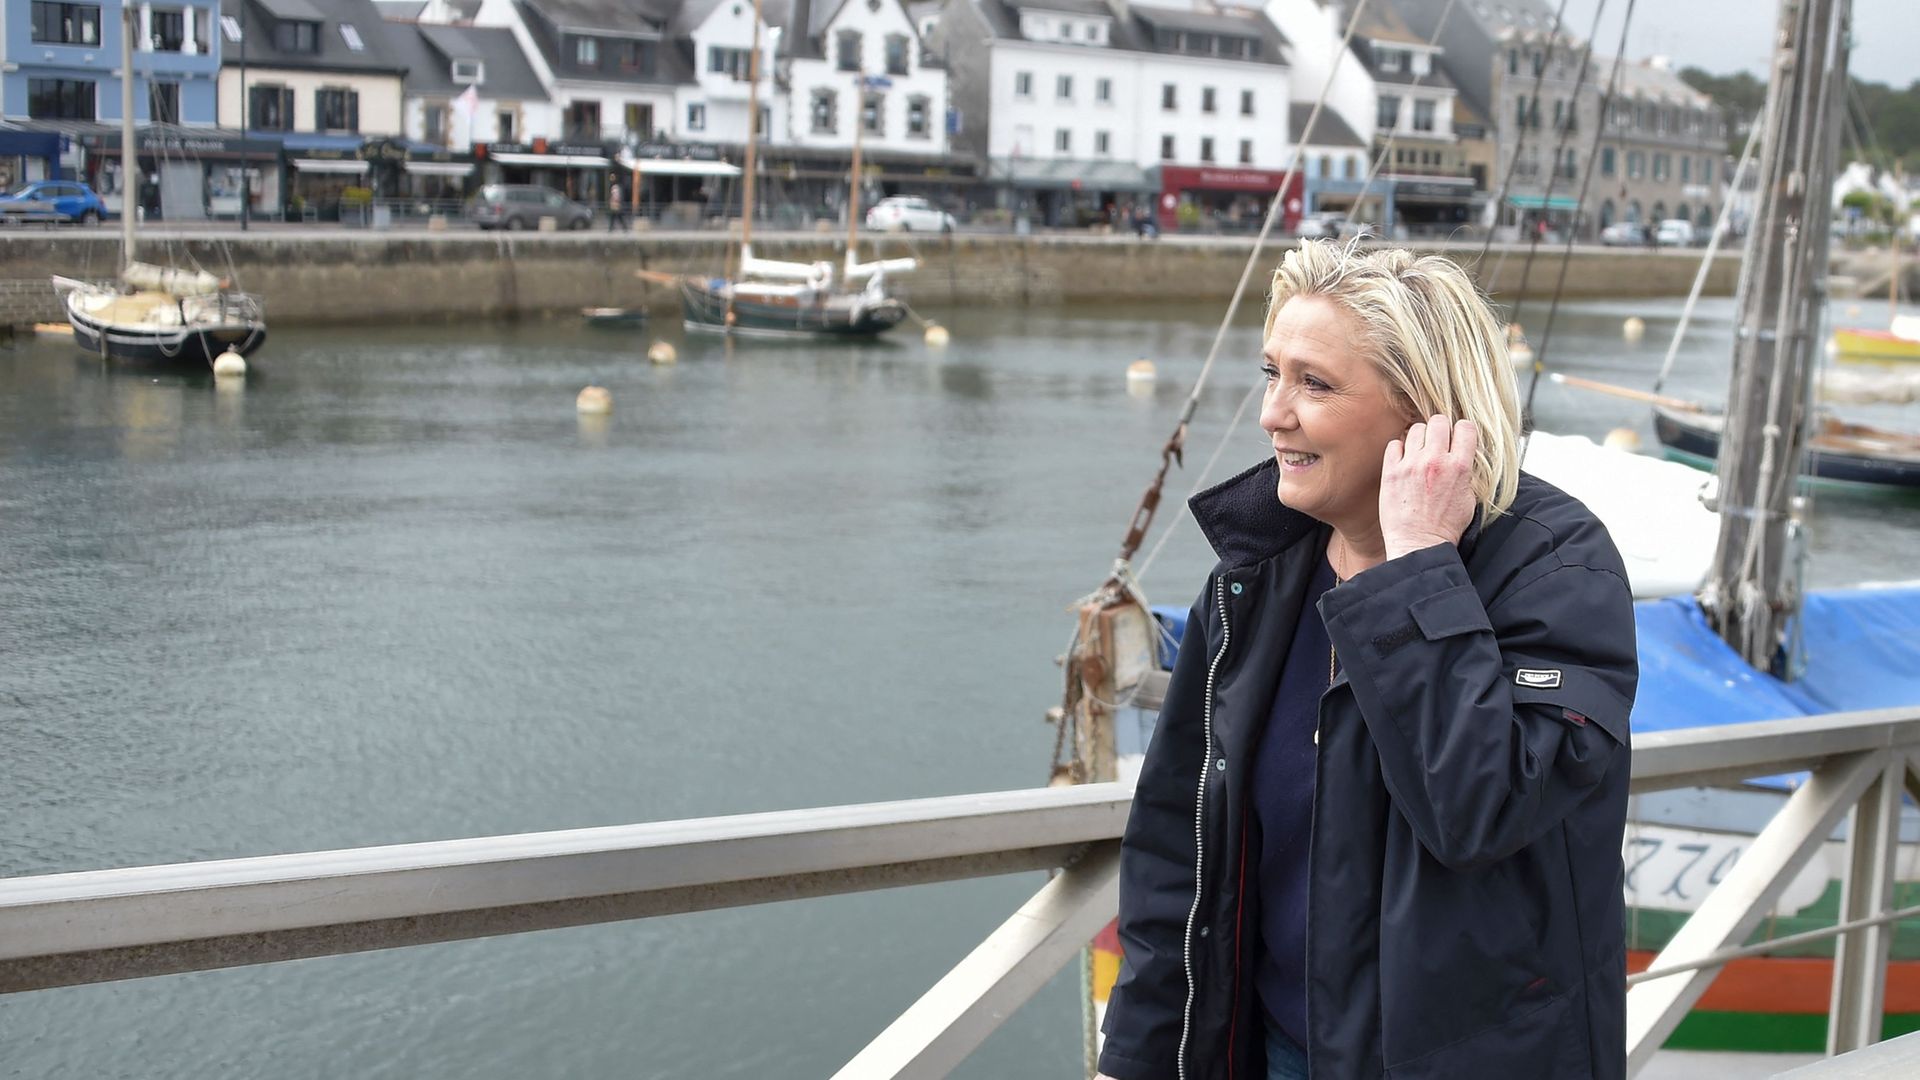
column 1837, row 451
column 1875, row 345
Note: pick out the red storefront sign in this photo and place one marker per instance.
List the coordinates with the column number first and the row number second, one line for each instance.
column 1175, row 179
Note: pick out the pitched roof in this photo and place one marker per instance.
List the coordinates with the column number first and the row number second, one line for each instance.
column 635, row 17
column 673, row 65
column 1639, row 78
column 259, row 18
column 1135, row 33
column 430, row 50
column 1329, row 130
column 400, row 10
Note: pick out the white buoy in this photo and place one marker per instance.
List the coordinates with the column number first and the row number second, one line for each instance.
column 1141, row 371
column 229, row 363
column 662, row 352
column 594, row 401
column 1853, row 311
column 1634, row 328
column 1623, row 439
column 937, row 336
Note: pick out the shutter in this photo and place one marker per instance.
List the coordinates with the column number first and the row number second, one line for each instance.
column 353, row 110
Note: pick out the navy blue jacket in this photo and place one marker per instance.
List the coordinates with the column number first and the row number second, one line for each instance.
column 1465, row 916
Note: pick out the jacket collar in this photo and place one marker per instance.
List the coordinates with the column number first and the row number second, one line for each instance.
column 1245, row 521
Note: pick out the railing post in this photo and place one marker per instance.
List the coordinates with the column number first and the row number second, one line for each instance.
column 1736, row 906
column 1860, row 957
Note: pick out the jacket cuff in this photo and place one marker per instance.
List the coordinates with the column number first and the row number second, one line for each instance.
column 1121, row 1067
column 1406, row 579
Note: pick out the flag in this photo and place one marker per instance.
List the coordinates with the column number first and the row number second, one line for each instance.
column 468, row 101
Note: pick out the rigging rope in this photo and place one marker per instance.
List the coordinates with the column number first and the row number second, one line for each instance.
column 1706, row 261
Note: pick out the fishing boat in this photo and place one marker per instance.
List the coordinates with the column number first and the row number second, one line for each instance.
column 1837, row 451
column 155, row 314
column 1855, row 344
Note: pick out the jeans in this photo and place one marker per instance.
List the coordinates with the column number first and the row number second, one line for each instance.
column 1286, row 1060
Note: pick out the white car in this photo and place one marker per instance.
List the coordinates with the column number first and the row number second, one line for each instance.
column 1325, row 225
column 1675, row 232
column 908, row 213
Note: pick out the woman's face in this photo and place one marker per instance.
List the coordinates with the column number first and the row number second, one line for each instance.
column 1329, row 414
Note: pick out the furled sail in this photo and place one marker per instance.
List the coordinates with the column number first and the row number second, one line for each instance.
column 169, row 280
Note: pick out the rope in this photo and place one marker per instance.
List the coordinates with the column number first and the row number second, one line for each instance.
column 1706, row 261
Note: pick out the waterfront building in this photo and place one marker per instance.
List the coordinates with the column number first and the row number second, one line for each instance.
column 60, row 79
column 465, row 85
column 1080, row 110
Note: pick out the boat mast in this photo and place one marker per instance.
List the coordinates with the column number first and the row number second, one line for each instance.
column 129, row 163
column 853, row 177
column 752, row 162
column 1752, row 593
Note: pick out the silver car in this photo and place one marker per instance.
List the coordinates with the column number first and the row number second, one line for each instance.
column 521, row 206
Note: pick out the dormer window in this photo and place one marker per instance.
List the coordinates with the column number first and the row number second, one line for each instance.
column 297, row 36
column 1391, row 60
column 586, row 52
column 351, row 35
column 468, row 71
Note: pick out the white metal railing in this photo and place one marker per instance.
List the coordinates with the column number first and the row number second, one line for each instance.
column 106, row 925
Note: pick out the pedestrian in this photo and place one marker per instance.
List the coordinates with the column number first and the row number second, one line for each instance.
column 616, row 208
column 1403, row 697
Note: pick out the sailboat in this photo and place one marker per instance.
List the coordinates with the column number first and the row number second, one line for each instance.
column 774, row 298
column 156, row 314
column 1900, row 341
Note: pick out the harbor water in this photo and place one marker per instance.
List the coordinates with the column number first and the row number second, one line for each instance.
column 394, row 589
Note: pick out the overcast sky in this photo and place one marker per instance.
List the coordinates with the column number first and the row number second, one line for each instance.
column 1730, row 35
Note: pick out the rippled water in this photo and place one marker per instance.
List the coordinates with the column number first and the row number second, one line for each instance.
column 396, row 590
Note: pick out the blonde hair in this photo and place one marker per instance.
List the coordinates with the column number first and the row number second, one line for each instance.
column 1432, row 334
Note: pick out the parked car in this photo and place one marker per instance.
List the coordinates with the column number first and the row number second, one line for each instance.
column 1624, row 234
column 908, row 213
column 1675, row 232
column 56, row 200
column 521, row 206
column 1326, row 225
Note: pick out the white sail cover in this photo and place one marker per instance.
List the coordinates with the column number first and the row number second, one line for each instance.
column 169, row 280
column 859, row 271
column 1652, row 508
column 816, row 274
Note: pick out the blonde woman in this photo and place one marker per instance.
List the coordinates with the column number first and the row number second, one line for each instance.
column 1378, row 828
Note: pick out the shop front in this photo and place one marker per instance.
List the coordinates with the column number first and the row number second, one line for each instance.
column 327, row 179
column 580, row 171
column 26, row 156
column 802, row 184
column 681, row 183
column 1071, row 193
column 1530, row 215
column 1212, row 199
column 186, row 174
column 1432, row 206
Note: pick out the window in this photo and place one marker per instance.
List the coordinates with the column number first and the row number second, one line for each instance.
column 1102, row 144
column 635, row 57
column 1686, row 172
column 1520, row 111
column 163, row 102
column 1246, row 151
column 1023, row 84
column 583, row 120
column 1662, row 165
column 270, row 108
column 824, row 110
column 896, row 54
column 433, row 124
column 1706, row 170
column 1513, row 61
column 1539, row 64
column 467, row 71
column 1246, row 103
column 730, row 62
column 297, row 37
column 763, row 124
column 586, row 52
column 873, row 113
column 1166, row 148
column 60, row 99
column 336, row 109
column 166, row 30
column 1063, row 141
column 1206, row 148
column 351, row 35
column 1063, row 88
column 504, row 125
column 1636, row 164
column 1606, row 161
column 231, row 26
column 1390, row 60
column 1103, row 91
column 1423, row 115
column 66, row 24
column 1326, row 165
column 1206, row 99
column 1353, row 167
column 847, row 49
column 1389, row 112
column 639, row 120
column 696, row 116
column 1169, row 97
column 918, row 117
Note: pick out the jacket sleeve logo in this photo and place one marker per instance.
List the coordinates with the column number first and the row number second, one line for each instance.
column 1547, row 679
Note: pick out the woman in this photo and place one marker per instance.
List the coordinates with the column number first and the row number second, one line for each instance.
column 1378, row 829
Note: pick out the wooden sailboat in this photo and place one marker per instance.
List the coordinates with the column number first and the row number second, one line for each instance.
column 156, row 314
column 772, row 298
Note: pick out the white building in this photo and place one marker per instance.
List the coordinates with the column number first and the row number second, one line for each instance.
column 713, row 107
column 1079, row 105
column 904, row 107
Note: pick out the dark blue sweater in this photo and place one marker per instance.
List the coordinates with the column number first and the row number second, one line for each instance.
column 1283, row 777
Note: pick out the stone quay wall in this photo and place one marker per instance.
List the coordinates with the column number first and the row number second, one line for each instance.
column 309, row 279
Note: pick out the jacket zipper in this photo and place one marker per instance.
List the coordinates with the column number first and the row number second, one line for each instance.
column 1199, row 826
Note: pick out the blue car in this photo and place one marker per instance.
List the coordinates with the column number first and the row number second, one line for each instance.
column 53, row 200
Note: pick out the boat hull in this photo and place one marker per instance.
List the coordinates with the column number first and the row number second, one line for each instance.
column 1875, row 345
column 192, row 346
column 1696, row 438
column 848, row 315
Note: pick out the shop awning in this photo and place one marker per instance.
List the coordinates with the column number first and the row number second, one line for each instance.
column 439, row 168
column 1539, row 202
column 328, row 165
column 677, row 167
column 1068, row 173
column 553, row 161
